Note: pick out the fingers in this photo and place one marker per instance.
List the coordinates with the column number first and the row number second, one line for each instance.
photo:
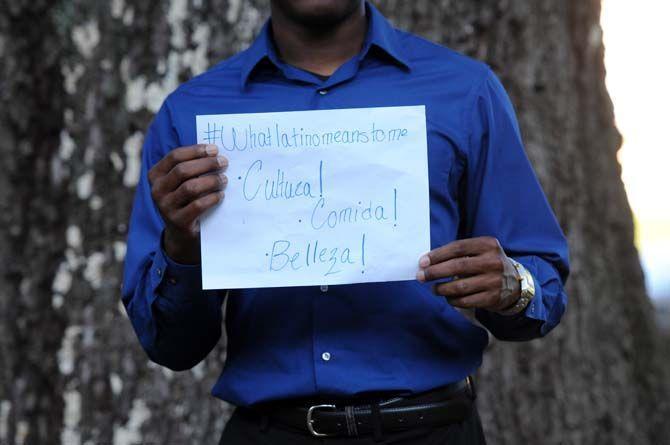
column 480, row 264
column 186, row 170
column 460, row 248
column 486, row 299
column 191, row 199
column 197, row 187
column 179, row 155
column 187, row 182
column 462, row 266
column 468, row 286
column 186, row 217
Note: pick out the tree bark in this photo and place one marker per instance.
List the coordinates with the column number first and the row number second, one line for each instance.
column 79, row 83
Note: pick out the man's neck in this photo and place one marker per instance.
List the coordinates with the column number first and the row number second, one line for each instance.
column 319, row 50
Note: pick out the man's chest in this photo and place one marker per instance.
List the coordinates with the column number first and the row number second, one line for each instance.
column 446, row 134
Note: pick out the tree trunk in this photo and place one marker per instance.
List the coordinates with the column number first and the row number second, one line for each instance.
column 79, row 83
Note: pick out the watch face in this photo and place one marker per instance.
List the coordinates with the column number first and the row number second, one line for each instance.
column 527, row 284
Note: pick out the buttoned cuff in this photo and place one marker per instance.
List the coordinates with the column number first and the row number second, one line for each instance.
column 175, row 281
column 536, row 308
column 536, row 319
column 548, row 303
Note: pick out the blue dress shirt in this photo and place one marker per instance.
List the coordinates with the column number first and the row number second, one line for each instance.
column 350, row 339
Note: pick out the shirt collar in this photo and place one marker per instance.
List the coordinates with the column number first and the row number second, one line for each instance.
column 380, row 34
column 383, row 35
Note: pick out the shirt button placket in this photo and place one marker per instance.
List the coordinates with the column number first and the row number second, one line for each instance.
column 322, row 356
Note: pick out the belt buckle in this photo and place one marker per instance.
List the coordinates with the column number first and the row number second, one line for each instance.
column 310, row 421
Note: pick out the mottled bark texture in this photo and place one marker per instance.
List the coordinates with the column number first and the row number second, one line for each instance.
column 79, row 82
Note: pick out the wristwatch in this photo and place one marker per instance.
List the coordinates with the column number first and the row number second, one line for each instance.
column 527, row 289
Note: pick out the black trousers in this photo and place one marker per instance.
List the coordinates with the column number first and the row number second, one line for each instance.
column 248, row 428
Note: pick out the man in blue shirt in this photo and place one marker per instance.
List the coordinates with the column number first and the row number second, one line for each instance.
column 367, row 362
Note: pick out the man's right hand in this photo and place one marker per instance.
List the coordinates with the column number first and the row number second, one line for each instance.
column 184, row 184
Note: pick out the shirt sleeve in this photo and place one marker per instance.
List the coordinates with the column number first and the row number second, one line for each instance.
column 502, row 197
column 177, row 323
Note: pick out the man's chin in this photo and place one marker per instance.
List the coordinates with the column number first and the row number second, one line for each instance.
column 317, row 13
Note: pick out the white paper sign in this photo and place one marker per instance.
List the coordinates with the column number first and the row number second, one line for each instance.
column 317, row 197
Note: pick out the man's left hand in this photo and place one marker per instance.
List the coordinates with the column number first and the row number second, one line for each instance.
column 484, row 277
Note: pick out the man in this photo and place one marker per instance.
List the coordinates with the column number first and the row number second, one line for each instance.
column 363, row 363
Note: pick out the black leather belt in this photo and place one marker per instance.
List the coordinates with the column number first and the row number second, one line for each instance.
column 445, row 405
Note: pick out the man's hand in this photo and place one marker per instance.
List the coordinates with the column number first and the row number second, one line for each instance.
column 184, row 184
column 484, row 277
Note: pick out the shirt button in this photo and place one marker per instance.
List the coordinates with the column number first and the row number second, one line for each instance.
column 324, row 288
column 325, row 356
column 323, row 92
column 172, row 280
column 159, row 272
